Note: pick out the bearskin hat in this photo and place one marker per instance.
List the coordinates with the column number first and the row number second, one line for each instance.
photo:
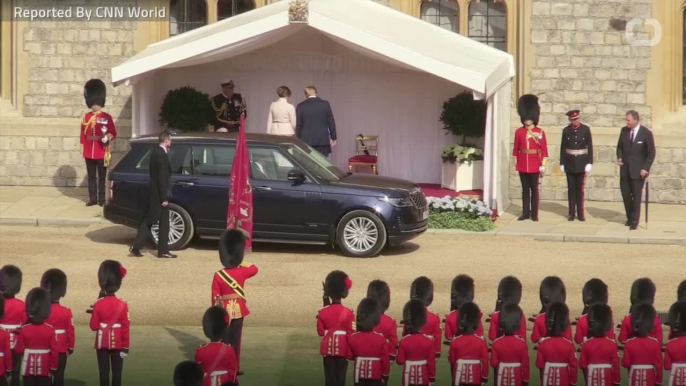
column 594, row 291
column 2, row 307
column 642, row 291
column 509, row 291
column 38, row 305
column 110, row 276
column 335, row 285
column 469, row 318
column 94, row 92
column 642, row 319
column 215, row 322
column 552, row 290
column 55, row 281
column 379, row 290
column 528, row 108
column 461, row 292
column 510, row 318
column 599, row 320
column 414, row 315
column 557, row 318
column 231, row 248
column 368, row 314
column 681, row 291
column 423, row 289
column 11, row 280
column 677, row 318
column 188, row 373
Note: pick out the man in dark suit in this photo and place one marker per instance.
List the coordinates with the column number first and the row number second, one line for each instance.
column 158, row 201
column 635, row 156
column 314, row 122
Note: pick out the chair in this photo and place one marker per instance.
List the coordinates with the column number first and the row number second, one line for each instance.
column 366, row 152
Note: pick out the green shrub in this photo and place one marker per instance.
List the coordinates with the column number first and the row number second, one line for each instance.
column 186, row 109
column 457, row 220
column 463, row 116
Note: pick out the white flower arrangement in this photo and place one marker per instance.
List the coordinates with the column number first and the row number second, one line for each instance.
column 466, row 205
column 462, row 154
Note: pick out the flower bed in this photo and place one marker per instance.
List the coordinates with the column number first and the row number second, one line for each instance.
column 459, row 213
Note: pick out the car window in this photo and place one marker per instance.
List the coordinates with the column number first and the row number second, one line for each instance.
column 269, row 164
column 315, row 163
column 179, row 159
column 213, row 160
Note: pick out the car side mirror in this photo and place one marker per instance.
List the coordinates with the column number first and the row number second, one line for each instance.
column 296, row 175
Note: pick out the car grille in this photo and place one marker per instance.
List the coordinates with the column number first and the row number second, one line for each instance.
column 418, row 199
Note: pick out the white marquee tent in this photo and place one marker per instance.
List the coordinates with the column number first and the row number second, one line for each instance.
column 384, row 72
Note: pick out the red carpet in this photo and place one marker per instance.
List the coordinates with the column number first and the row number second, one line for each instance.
column 435, row 190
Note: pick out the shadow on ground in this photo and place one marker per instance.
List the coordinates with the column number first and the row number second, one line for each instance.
column 116, row 234
column 189, row 343
column 606, row 214
column 554, row 207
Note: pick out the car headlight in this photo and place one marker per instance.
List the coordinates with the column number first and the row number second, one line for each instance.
column 398, row 202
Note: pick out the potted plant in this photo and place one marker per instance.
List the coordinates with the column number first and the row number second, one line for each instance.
column 186, row 109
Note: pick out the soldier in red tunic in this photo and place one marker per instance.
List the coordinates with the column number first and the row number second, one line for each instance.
column 594, row 291
column 462, row 292
column 509, row 291
column 110, row 318
column 423, row 289
column 509, row 353
column 188, row 373
column 387, row 327
column 468, row 355
column 530, row 154
column 15, row 313
column 675, row 353
column 335, row 324
column 5, row 349
column 642, row 291
column 599, row 358
column 36, row 341
column 552, row 290
column 218, row 359
column 643, row 353
column 416, row 351
column 228, row 286
column 369, row 349
column 556, row 358
column 680, row 296
column 61, row 319
column 97, row 134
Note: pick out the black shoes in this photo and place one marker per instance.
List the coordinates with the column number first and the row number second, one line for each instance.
column 582, row 218
column 166, row 255
column 91, row 203
column 570, row 218
column 135, row 252
column 627, row 223
column 633, row 227
column 534, row 218
column 523, row 217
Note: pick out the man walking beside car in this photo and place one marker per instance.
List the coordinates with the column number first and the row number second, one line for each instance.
column 158, row 201
column 315, row 124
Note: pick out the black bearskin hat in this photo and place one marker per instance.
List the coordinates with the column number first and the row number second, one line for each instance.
column 231, row 248
column 528, row 108
column 414, row 315
column 11, row 280
column 642, row 291
column 188, row 373
column 552, row 290
column 599, row 320
column 677, row 318
column 335, row 285
column 368, row 314
column 681, row 291
column 94, row 92
column 379, row 290
column 509, row 291
column 462, row 291
column 557, row 318
column 642, row 319
column 423, row 289
column 215, row 323
column 38, row 305
column 594, row 291
column 469, row 318
column 510, row 318
column 110, row 276
column 55, row 281
column 2, row 307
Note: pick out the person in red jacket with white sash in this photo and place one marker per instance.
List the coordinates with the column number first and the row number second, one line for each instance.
column 643, row 353
column 217, row 358
column 36, row 341
column 61, row 318
column 416, row 352
column 369, row 349
column 642, row 291
column 675, row 353
column 468, row 356
column 556, row 357
column 462, row 292
column 599, row 358
column 594, row 291
column 15, row 313
column 5, row 349
column 509, row 353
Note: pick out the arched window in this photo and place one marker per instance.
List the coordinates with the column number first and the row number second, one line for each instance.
column 185, row 15
column 228, row 8
column 488, row 23
column 443, row 13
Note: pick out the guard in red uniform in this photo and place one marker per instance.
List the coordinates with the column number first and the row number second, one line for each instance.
column 462, row 292
column 111, row 320
column 188, row 373
column 97, row 134
column 680, row 296
column 594, row 291
column 228, row 286
column 675, row 353
column 468, row 355
column 599, row 358
column 552, row 290
column 643, row 353
column 416, row 352
column 556, row 358
column 509, row 291
column 387, row 326
column 335, row 324
column 509, row 353
column 5, row 349
column 36, row 341
column 369, row 349
column 61, row 319
column 642, row 291
column 423, row 289
column 15, row 313
column 530, row 154
column 217, row 358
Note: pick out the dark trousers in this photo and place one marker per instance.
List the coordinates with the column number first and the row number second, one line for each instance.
column 575, row 193
column 632, row 190
column 530, row 193
column 3, row 381
column 96, row 193
column 58, row 380
column 233, row 337
column 144, row 234
column 36, row 381
column 110, row 359
column 335, row 369
column 16, row 369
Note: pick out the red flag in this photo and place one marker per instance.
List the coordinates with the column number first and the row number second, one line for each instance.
column 240, row 189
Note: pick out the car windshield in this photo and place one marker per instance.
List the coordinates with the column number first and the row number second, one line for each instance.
column 315, row 163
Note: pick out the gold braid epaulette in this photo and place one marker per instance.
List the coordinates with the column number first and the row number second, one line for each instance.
column 89, row 124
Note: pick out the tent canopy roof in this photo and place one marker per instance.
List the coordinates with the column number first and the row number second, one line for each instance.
column 371, row 28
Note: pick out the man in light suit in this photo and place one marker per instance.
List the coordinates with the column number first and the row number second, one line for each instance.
column 315, row 124
column 635, row 156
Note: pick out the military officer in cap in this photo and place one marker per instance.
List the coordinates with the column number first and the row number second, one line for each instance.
column 228, row 108
column 576, row 160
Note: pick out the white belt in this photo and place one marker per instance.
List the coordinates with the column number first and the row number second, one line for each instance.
column 639, row 368
column 592, row 369
column 369, row 370
column 675, row 370
column 36, row 351
column 115, row 325
column 551, row 365
column 57, row 332
column 576, row 151
column 10, row 326
column 460, row 368
column 2, row 354
column 408, row 366
column 339, row 332
column 100, row 333
column 501, row 370
column 216, row 377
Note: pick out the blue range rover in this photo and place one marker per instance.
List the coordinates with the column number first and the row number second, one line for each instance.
column 299, row 196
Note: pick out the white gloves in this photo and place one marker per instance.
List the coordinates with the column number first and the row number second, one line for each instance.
column 562, row 167
column 541, row 169
column 588, row 168
column 105, row 139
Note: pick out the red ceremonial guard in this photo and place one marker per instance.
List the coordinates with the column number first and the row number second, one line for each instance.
column 556, row 358
column 110, row 318
column 594, row 291
column 462, row 292
column 387, row 327
column 5, row 349
column 36, row 341
column 188, row 373
column 97, row 134
column 509, row 291
column 369, row 349
column 15, row 313
column 642, row 291
column 552, row 290
column 681, row 291
column 530, row 154
column 599, row 358
column 218, row 360
column 509, row 353
column 643, row 353
column 468, row 355
column 416, row 351
column 228, row 286
column 335, row 324
column 423, row 289
column 61, row 319
column 675, row 353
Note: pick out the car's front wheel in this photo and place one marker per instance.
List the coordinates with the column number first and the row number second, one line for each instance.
column 361, row 234
column 181, row 228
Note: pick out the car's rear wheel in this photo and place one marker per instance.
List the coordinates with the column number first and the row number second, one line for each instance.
column 181, row 228
column 361, row 234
